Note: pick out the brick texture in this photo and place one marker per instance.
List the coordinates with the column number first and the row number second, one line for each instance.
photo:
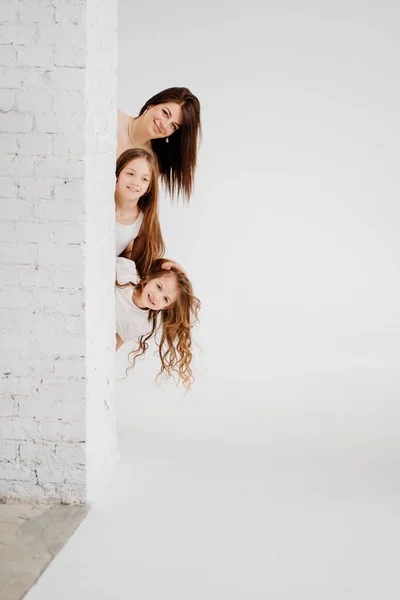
column 57, row 157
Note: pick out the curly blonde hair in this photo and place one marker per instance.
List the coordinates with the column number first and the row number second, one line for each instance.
column 174, row 324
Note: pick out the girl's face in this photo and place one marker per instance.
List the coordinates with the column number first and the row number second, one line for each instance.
column 159, row 293
column 134, row 179
column 163, row 120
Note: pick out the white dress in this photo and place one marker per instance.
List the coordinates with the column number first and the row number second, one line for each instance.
column 131, row 321
column 126, row 233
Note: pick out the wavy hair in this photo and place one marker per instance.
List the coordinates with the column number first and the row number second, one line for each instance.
column 177, row 159
column 149, row 244
column 173, row 324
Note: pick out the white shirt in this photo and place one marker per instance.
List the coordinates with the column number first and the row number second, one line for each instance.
column 132, row 321
column 126, row 233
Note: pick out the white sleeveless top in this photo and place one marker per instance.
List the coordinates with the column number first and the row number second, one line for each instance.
column 131, row 321
column 126, row 233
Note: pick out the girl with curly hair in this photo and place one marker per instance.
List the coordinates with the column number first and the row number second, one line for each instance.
column 157, row 303
column 169, row 127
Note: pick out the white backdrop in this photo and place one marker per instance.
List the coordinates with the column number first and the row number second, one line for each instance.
column 278, row 477
column 291, row 237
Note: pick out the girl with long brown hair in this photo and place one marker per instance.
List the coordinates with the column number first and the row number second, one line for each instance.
column 169, row 126
column 137, row 228
column 136, row 207
column 159, row 303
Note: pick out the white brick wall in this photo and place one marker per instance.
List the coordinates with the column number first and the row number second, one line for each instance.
column 57, row 155
column 100, row 218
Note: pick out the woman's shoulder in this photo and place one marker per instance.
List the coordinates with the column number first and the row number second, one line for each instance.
column 122, row 117
column 123, row 142
column 122, row 123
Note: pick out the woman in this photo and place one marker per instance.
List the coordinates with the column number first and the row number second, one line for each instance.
column 168, row 125
column 162, row 301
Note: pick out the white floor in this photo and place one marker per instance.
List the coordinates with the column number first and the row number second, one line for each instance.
column 283, row 490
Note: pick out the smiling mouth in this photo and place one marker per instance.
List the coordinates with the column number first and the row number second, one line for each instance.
column 150, row 300
column 133, row 190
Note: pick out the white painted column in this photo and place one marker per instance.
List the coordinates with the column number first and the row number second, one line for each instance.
column 57, row 128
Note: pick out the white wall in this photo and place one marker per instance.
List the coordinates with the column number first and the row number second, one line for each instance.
column 286, row 488
column 291, row 238
column 57, row 326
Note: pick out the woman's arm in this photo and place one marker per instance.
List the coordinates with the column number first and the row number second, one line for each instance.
column 119, row 341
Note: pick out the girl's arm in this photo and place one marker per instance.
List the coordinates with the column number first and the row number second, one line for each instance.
column 119, row 341
column 137, row 248
column 127, row 252
column 168, row 264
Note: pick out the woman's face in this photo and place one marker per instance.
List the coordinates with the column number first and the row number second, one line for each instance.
column 159, row 293
column 163, row 120
column 134, row 179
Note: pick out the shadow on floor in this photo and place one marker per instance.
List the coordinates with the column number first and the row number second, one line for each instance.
column 30, row 537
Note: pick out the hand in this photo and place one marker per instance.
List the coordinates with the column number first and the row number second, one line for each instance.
column 169, row 264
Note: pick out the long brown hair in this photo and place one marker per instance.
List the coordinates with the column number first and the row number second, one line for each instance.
column 151, row 240
column 174, row 324
column 177, row 159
